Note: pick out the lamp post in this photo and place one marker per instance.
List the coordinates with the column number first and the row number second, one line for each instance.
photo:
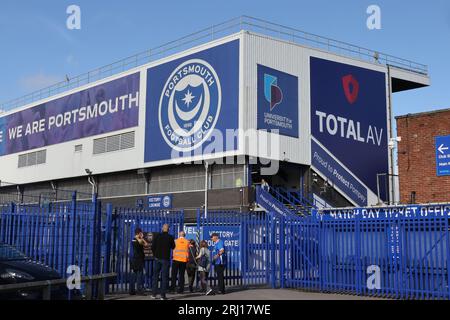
column 91, row 181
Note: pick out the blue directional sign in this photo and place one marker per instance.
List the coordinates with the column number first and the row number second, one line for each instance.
column 443, row 156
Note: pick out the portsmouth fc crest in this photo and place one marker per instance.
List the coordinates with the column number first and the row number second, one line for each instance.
column 190, row 105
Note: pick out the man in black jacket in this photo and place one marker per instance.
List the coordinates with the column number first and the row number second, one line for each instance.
column 137, row 262
column 162, row 245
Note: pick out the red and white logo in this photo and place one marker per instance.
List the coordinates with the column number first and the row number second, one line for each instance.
column 351, row 88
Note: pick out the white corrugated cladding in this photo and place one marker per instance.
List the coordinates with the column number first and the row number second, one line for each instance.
column 293, row 59
column 290, row 59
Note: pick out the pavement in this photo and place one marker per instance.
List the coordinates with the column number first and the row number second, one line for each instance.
column 251, row 294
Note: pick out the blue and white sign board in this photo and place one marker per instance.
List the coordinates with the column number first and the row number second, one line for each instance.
column 191, row 231
column 191, row 103
column 443, row 156
column 337, row 175
column 349, row 119
column 277, row 101
column 269, row 203
column 230, row 235
column 401, row 212
column 160, row 202
column 101, row 109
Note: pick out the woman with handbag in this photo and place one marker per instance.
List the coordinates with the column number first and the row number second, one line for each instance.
column 204, row 265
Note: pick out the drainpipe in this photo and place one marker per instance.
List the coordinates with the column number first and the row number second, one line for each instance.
column 206, row 188
column 391, row 151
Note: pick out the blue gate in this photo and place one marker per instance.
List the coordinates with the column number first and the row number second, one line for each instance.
column 124, row 222
column 248, row 242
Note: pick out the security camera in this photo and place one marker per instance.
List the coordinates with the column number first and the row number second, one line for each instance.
column 88, row 172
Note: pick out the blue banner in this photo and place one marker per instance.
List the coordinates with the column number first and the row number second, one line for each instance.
column 269, row 203
column 159, row 202
column 191, row 103
column 337, row 175
column 349, row 117
column 443, row 156
column 101, row 109
column 400, row 212
column 277, row 101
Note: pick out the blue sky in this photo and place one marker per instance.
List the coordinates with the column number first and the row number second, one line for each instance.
column 37, row 49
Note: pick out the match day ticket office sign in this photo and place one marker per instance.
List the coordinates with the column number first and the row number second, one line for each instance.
column 104, row 108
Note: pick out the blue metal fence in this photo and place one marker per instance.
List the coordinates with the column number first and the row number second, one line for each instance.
column 247, row 240
column 398, row 252
column 56, row 234
column 407, row 247
column 395, row 252
column 124, row 222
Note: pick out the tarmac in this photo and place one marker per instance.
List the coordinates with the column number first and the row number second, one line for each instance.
column 261, row 294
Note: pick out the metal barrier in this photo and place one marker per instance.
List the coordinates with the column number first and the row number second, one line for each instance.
column 47, row 286
column 57, row 234
column 249, row 242
column 394, row 252
column 398, row 252
column 124, row 222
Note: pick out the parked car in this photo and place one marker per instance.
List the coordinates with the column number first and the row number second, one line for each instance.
column 16, row 267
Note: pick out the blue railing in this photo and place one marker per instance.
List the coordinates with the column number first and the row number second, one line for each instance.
column 57, row 234
column 124, row 222
column 293, row 198
column 397, row 252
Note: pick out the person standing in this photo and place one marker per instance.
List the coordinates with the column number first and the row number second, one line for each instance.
column 204, row 265
column 264, row 185
column 191, row 267
column 179, row 261
column 137, row 262
column 219, row 261
column 162, row 245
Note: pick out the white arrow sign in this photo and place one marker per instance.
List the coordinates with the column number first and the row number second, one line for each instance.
column 442, row 148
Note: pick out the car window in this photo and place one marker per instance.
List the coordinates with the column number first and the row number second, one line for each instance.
column 8, row 252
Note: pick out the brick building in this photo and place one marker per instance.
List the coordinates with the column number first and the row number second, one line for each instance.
column 419, row 181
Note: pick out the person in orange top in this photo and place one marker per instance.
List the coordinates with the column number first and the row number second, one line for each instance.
column 179, row 261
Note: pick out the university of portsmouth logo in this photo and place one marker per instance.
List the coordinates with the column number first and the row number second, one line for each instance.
column 272, row 91
column 190, row 105
column 351, row 88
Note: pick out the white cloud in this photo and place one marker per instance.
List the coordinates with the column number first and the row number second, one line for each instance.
column 38, row 81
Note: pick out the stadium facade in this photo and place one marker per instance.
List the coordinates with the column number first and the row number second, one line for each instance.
column 258, row 101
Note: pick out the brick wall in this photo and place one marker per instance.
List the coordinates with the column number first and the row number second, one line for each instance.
column 416, row 157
